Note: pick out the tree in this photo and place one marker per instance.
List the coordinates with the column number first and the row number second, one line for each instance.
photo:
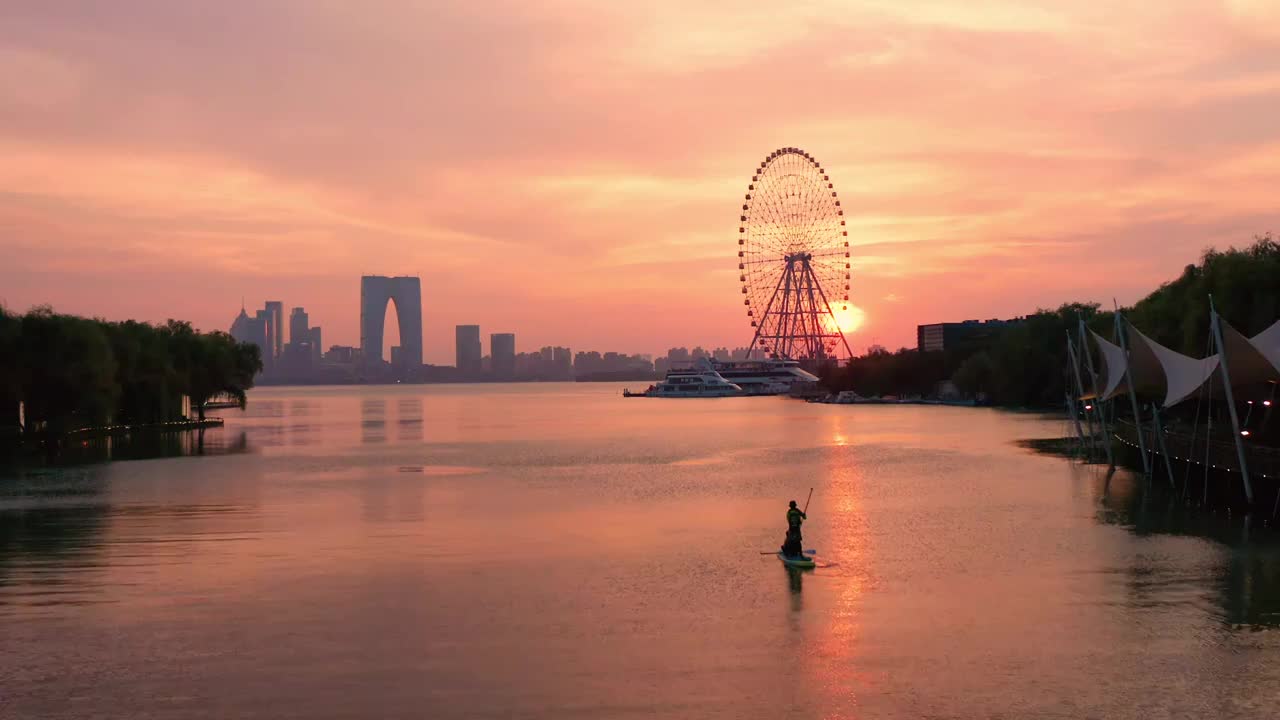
column 68, row 378
column 220, row 365
column 975, row 375
column 144, row 372
column 10, row 370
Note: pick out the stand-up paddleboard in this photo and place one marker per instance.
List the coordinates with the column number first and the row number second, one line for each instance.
column 801, row 562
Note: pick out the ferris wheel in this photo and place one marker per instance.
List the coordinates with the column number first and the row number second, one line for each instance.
column 793, row 258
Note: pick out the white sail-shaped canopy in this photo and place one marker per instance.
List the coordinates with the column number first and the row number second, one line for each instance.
column 1156, row 371
column 1267, row 342
column 1113, row 369
column 1249, row 360
column 1181, row 375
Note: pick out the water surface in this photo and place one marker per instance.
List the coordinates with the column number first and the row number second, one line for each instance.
column 556, row 551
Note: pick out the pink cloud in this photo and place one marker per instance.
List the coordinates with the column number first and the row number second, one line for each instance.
column 571, row 171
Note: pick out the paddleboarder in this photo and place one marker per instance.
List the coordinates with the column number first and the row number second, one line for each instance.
column 794, row 545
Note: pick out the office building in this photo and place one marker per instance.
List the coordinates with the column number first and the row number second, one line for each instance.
column 275, row 321
column 502, row 351
column 967, row 335
column 299, row 327
column 467, row 349
column 253, row 330
column 562, row 359
column 314, row 335
column 342, row 354
column 406, row 293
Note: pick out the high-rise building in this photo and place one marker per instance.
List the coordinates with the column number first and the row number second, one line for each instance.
column 314, row 334
column 563, row 360
column 253, row 330
column 502, row 349
column 299, row 326
column 406, row 292
column 275, row 321
column 263, row 319
column 467, row 350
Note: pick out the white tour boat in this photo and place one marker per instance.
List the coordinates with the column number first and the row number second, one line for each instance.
column 701, row 380
column 764, row 377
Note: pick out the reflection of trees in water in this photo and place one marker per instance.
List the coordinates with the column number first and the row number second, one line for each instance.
column 1246, row 582
column 147, row 445
column 46, row 529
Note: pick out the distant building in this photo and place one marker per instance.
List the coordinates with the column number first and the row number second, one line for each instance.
column 467, row 349
column 299, row 326
column 316, row 344
column 502, row 350
column 406, row 292
column 610, row 365
column 397, row 356
column 275, row 329
column 970, row 334
column 562, row 359
column 340, row 354
column 721, row 354
column 253, row 330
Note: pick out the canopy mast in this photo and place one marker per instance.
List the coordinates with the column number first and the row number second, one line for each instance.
column 1216, row 325
column 1097, row 400
column 1133, row 395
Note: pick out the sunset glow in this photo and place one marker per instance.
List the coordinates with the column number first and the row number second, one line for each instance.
column 848, row 318
column 572, row 171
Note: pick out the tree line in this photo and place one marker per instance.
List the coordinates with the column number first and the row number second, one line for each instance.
column 1025, row 363
column 71, row 372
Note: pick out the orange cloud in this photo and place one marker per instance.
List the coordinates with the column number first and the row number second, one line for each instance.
column 571, row 170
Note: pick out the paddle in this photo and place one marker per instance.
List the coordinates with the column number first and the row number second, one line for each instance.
column 810, row 551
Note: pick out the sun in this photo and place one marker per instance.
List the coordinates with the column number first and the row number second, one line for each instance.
column 848, row 317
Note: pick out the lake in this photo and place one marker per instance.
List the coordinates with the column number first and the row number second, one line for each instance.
column 556, row 551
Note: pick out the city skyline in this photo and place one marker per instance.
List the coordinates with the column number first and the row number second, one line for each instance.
column 247, row 328
column 992, row 157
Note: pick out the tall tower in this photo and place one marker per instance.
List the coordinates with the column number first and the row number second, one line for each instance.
column 275, row 313
column 502, row 351
column 406, row 294
column 299, row 326
column 467, row 350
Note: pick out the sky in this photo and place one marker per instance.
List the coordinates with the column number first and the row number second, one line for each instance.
column 572, row 171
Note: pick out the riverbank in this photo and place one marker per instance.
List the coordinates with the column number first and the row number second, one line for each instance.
column 1205, row 478
column 107, row 442
column 172, row 426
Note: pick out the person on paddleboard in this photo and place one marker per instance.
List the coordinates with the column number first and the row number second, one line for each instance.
column 793, row 547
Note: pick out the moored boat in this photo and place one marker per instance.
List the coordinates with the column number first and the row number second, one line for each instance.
column 700, row 380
